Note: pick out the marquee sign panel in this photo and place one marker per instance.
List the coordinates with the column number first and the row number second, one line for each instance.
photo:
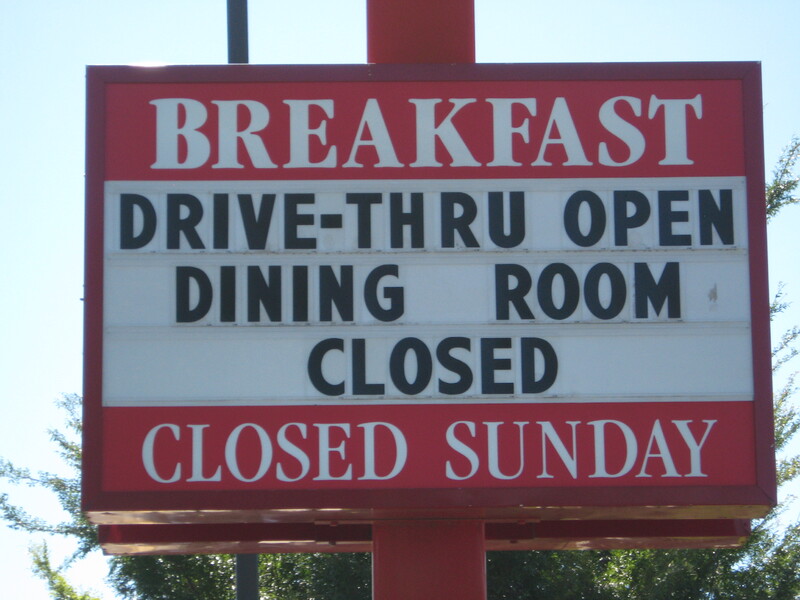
column 378, row 290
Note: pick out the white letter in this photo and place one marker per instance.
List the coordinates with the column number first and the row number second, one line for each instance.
column 657, row 436
column 230, row 134
column 694, row 447
column 148, row 453
column 428, row 131
column 494, row 459
column 401, row 450
column 561, row 119
column 462, row 449
column 676, row 152
column 232, row 460
column 570, row 460
column 325, row 451
column 623, row 130
column 600, row 448
column 300, row 132
column 291, row 449
column 504, row 132
column 168, row 133
column 197, row 456
column 372, row 118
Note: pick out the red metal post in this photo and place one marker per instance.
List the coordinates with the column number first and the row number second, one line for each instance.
column 420, row 31
column 427, row 560
column 421, row 560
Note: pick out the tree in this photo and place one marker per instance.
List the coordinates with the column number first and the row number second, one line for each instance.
column 782, row 191
column 766, row 567
column 60, row 589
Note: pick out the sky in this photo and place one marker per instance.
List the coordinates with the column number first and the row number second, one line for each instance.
column 45, row 46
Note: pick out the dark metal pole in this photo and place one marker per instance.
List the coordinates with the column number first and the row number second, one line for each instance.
column 246, row 564
column 247, row 577
column 237, row 32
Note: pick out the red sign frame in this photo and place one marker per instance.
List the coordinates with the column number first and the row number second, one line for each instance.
column 120, row 149
column 232, row 538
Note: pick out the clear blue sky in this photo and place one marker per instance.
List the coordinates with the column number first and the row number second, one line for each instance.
column 46, row 44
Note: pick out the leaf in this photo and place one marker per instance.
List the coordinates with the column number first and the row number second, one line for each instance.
column 60, row 589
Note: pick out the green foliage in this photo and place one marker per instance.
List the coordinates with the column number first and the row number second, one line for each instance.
column 59, row 588
column 316, row 576
column 212, row 577
column 202, row 577
column 546, row 575
column 785, row 350
column 66, row 489
column 782, row 191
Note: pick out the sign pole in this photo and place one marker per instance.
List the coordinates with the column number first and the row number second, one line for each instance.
column 419, row 560
column 247, row 577
column 246, row 564
column 237, row 32
column 420, row 31
column 422, row 559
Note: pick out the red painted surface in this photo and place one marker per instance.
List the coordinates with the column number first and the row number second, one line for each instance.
column 420, row 31
column 419, row 560
column 114, row 481
column 130, row 124
column 525, row 457
column 344, row 537
column 757, row 241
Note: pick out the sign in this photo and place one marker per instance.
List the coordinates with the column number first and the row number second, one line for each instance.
column 261, row 538
column 480, row 290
